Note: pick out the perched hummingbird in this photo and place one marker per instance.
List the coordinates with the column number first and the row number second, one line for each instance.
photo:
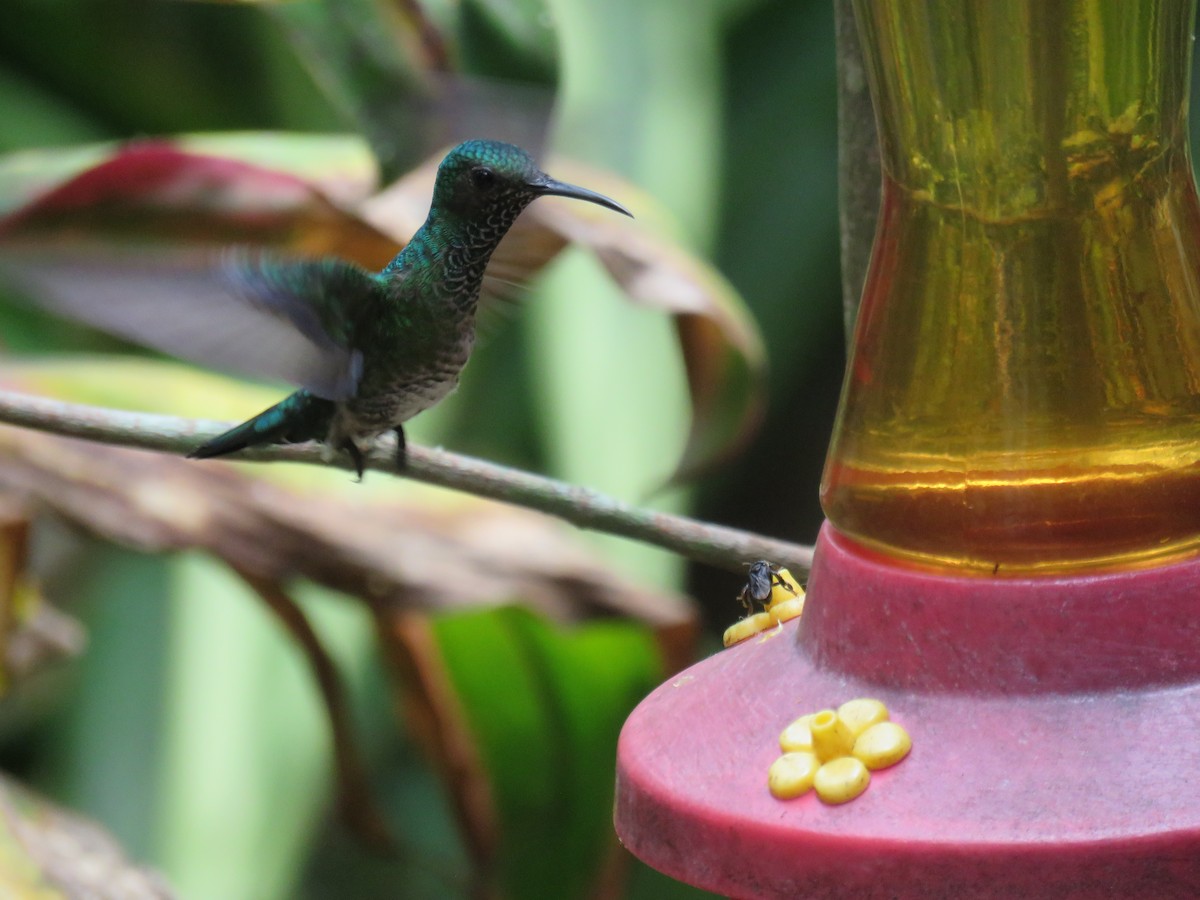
column 368, row 350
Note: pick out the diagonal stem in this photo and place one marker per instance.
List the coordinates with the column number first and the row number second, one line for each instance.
column 357, row 804
column 716, row 545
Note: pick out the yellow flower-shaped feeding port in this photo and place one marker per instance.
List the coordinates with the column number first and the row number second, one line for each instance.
column 792, row 774
column 784, row 601
column 835, row 751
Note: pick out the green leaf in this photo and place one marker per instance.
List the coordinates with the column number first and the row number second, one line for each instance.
column 246, row 757
column 511, row 39
column 722, row 350
column 535, row 710
column 396, row 72
column 44, row 118
column 107, row 734
column 355, row 52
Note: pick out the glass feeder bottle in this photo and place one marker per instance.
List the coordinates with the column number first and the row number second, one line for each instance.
column 1023, row 393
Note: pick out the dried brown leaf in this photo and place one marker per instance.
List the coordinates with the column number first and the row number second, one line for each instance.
column 396, row 555
column 33, row 634
column 433, row 713
column 48, row 851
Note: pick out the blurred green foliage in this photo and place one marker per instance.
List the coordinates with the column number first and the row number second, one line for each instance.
column 190, row 698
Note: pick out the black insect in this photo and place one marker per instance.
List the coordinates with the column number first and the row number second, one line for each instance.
column 760, row 580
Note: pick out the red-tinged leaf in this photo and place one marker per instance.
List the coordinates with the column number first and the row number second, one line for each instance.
column 170, row 192
column 339, row 166
column 27, row 174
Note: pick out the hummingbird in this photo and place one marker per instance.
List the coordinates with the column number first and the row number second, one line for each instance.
column 368, row 350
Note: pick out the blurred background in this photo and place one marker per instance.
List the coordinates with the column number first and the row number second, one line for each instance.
column 190, row 727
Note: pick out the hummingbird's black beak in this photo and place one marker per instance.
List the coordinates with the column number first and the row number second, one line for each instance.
column 547, row 186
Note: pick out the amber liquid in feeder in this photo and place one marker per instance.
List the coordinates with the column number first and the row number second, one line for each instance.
column 1024, row 390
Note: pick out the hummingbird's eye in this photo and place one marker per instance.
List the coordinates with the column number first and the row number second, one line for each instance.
column 483, row 178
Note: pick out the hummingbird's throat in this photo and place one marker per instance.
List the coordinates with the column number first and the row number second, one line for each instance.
column 465, row 261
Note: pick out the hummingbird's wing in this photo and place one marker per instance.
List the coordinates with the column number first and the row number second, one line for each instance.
column 251, row 313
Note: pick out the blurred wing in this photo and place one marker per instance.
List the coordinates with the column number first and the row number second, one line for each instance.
column 254, row 314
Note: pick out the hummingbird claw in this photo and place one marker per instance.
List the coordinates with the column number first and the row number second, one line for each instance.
column 356, row 457
column 401, row 448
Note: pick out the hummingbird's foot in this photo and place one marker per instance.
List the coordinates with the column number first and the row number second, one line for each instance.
column 401, row 448
column 355, row 456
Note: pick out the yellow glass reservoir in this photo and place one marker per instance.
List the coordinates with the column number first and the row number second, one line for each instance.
column 1024, row 388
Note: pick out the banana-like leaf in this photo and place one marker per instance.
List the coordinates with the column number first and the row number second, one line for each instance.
column 355, row 50
column 136, row 213
column 337, row 166
column 282, row 191
column 509, row 39
column 401, row 75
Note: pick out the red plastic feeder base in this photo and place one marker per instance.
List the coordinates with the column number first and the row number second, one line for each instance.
column 1055, row 726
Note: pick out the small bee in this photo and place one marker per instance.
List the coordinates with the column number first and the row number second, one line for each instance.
column 762, row 578
column 761, row 581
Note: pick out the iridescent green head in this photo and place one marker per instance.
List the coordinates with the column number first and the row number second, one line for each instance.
column 484, row 179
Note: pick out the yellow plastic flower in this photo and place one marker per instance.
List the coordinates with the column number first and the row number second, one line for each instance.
column 835, row 751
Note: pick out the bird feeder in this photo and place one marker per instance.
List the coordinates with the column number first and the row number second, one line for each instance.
column 1010, row 562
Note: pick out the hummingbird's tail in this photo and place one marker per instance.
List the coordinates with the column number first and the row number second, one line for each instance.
column 298, row 417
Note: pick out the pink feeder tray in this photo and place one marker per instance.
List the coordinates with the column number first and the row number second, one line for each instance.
column 1056, row 741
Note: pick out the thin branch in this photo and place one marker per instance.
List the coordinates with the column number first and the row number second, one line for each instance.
column 716, row 545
